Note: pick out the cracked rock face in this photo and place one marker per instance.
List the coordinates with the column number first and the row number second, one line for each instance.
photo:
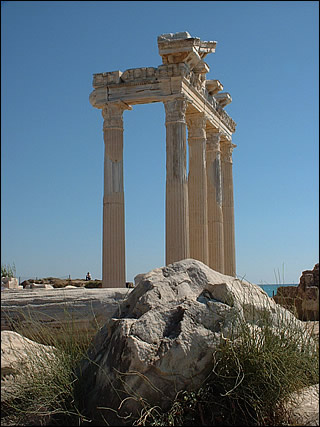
column 20, row 354
column 162, row 338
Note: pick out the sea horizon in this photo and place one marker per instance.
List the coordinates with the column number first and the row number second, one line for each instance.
column 271, row 288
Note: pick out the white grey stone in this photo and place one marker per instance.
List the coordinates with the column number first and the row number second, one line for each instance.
column 304, row 407
column 40, row 286
column 10, row 282
column 165, row 334
column 18, row 352
column 138, row 278
column 175, row 36
column 58, row 307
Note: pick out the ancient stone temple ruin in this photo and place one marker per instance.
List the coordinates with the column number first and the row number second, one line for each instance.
column 199, row 207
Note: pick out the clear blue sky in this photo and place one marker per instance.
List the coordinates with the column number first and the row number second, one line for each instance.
column 267, row 58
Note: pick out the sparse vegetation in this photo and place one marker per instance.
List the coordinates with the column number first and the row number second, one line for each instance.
column 43, row 391
column 278, row 276
column 255, row 371
column 8, row 270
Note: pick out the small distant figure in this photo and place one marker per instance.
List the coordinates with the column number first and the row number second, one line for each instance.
column 88, row 276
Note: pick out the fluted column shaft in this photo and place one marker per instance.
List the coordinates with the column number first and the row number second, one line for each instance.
column 113, row 239
column 214, row 200
column 228, row 209
column 197, row 187
column 177, row 215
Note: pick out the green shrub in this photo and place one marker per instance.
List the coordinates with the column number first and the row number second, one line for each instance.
column 8, row 270
column 93, row 284
column 255, row 372
column 43, row 391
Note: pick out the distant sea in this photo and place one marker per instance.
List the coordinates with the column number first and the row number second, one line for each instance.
column 270, row 289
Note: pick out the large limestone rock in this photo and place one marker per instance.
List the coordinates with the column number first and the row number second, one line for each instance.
column 59, row 308
column 18, row 352
column 20, row 358
column 10, row 282
column 303, row 407
column 303, row 299
column 163, row 336
column 23, row 360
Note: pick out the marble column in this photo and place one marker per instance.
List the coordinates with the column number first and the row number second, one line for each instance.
column 214, row 200
column 228, row 209
column 197, row 187
column 177, row 215
column 113, row 239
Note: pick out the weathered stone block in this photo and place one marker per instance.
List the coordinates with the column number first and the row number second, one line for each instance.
column 58, row 308
column 163, row 337
column 10, row 282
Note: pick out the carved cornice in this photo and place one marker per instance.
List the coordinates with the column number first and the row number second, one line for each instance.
column 209, row 104
column 100, row 96
column 104, row 79
column 181, row 47
column 197, row 80
column 213, row 86
column 175, row 110
column 223, row 98
column 182, row 75
column 139, row 75
column 226, row 118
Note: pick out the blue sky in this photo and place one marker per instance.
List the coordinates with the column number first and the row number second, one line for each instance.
column 52, row 145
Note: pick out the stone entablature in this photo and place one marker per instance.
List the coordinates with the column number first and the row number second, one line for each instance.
column 149, row 84
column 199, row 205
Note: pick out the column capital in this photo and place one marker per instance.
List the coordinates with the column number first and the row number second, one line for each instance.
column 175, row 110
column 112, row 113
column 213, row 140
column 196, row 123
column 226, row 151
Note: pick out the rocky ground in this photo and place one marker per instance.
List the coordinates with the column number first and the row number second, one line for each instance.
column 62, row 283
column 57, row 308
column 302, row 300
column 173, row 311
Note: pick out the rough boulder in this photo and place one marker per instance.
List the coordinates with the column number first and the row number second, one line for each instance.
column 303, row 300
column 164, row 335
column 21, row 355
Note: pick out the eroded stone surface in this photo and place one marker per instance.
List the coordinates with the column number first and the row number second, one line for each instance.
column 59, row 308
column 303, row 299
column 9, row 282
column 163, row 337
column 304, row 407
column 18, row 352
